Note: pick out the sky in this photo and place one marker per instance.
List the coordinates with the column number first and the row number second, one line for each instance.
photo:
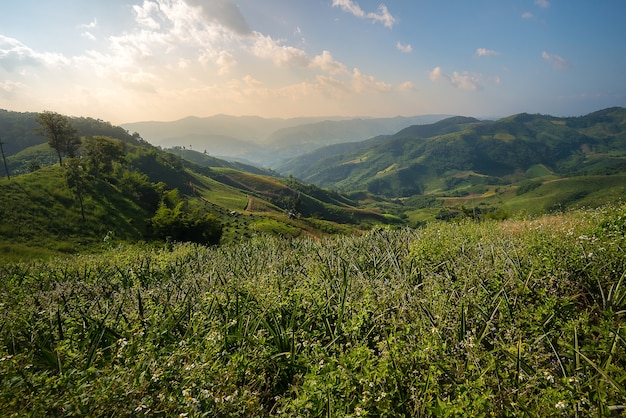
column 135, row 60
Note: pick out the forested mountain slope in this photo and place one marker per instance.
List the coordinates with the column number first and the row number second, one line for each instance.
column 415, row 159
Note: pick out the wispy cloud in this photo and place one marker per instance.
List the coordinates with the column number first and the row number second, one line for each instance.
column 557, row 61
column 527, row 15
column 461, row 81
column 225, row 62
column 404, row 48
column 281, row 55
column 89, row 25
column 8, row 88
column 14, row 55
column 383, row 16
column 327, row 63
column 542, row 3
column 484, row 52
column 406, row 86
column 368, row 84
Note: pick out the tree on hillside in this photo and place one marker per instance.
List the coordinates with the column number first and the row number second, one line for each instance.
column 62, row 136
column 102, row 152
column 76, row 180
column 179, row 220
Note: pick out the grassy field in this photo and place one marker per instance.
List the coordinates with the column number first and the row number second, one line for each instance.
column 505, row 318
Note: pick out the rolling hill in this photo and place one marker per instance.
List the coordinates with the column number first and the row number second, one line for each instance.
column 458, row 153
column 150, row 194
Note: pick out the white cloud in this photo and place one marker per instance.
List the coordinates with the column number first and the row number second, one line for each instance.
column 527, row 15
column 404, row 48
column 225, row 62
column 383, row 16
column 483, row 52
column 406, row 86
column 169, row 60
column 14, row 55
column 331, row 87
column 282, row 56
column 88, row 35
column 462, row 81
column 557, row 61
column 542, row 3
column 144, row 14
column 327, row 63
column 89, row 25
column 362, row 83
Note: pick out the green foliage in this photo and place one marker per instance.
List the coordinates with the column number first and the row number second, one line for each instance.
column 101, row 153
column 527, row 187
column 178, row 220
column 512, row 318
column 515, row 148
column 62, row 136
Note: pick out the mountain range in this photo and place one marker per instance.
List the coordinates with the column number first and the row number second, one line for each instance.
column 466, row 151
column 266, row 142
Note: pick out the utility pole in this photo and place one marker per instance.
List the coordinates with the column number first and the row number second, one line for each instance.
column 6, row 167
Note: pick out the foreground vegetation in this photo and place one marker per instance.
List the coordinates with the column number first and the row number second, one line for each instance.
column 512, row 318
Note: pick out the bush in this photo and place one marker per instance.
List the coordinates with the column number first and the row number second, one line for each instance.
column 183, row 223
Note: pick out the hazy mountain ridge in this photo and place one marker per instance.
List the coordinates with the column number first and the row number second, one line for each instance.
column 268, row 141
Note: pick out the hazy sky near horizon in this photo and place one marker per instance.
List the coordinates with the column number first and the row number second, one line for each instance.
column 132, row 60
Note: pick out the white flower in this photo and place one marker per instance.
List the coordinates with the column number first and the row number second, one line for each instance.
column 561, row 405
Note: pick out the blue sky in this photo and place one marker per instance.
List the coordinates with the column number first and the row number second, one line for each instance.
column 132, row 60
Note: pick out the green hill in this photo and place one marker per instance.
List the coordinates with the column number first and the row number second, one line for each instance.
column 460, row 153
column 140, row 192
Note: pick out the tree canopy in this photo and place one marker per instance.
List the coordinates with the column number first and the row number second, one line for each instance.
column 61, row 134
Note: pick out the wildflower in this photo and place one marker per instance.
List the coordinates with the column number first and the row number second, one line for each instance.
column 5, row 358
column 561, row 405
column 470, row 342
column 182, row 415
column 548, row 376
column 140, row 407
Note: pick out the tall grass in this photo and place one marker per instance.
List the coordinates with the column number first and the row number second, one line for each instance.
column 508, row 318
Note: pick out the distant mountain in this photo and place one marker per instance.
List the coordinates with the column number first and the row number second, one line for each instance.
column 289, row 142
column 445, row 154
column 267, row 141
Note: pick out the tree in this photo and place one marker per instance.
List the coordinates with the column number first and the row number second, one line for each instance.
column 179, row 220
column 102, row 152
column 62, row 136
column 76, row 180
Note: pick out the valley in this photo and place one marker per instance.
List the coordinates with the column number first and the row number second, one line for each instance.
column 452, row 168
column 452, row 268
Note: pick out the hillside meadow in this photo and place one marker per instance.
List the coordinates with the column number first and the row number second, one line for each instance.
column 521, row 317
